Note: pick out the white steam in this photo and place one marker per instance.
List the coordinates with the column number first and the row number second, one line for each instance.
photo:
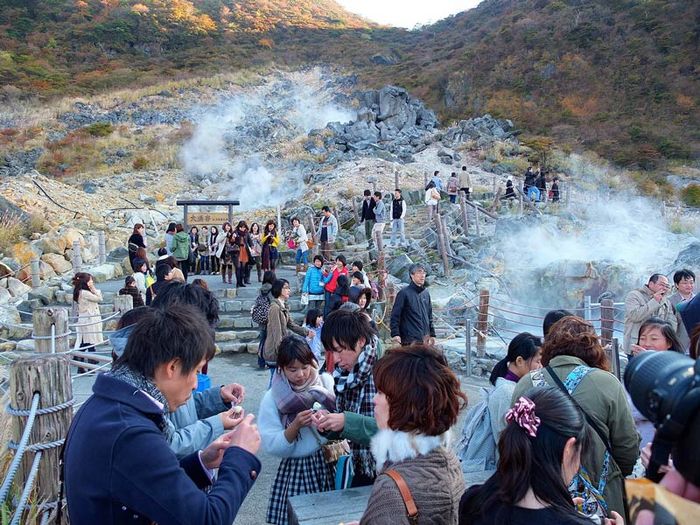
column 614, row 226
column 236, row 145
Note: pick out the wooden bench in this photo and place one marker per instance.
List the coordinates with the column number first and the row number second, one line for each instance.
column 328, row 508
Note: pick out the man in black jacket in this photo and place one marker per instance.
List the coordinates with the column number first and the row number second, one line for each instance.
column 412, row 315
column 367, row 217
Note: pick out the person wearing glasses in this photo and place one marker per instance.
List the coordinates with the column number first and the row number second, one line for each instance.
column 412, row 314
column 649, row 301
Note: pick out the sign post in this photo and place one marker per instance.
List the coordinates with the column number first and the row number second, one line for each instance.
column 207, row 218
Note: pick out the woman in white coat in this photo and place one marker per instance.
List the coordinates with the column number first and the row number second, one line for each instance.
column 86, row 299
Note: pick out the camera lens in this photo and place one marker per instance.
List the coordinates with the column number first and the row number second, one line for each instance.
column 656, row 381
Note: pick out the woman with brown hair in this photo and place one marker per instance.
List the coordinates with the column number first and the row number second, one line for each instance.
column 241, row 239
column 270, row 241
column 417, row 402
column 86, row 301
column 137, row 240
column 575, row 362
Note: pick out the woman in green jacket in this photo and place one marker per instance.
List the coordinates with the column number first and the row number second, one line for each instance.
column 181, row 249
column 572, row 354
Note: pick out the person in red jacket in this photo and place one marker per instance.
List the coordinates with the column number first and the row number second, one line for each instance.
column 330, row 280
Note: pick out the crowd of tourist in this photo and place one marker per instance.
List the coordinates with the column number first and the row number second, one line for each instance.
column 553, row 437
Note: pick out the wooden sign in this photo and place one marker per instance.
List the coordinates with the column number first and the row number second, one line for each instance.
column 206, row 218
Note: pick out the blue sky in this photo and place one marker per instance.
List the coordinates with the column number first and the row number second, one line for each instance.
column 405, row 13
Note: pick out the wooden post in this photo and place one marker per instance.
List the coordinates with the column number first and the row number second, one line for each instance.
column 587, row 308
column 607, row 321
column 102, row 249
column 49, row 375
column 123, row 303
column 442, row 244
column 184, row 220
column 381, row 263
column 468, row 346
column 446, row 236
column 476, row 221
column 463, row 208
column 482, row 324
column 36, row 273
column 77, row 258
column 43, row 320
column 396, row 180
column 616, row 358
column 521, row 201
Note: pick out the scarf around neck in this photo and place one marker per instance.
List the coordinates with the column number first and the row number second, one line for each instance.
column 355, row 392
column 290, row 399
column 141, row 382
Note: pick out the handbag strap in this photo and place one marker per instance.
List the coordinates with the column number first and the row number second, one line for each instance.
column 406, row 495
column 589, row 419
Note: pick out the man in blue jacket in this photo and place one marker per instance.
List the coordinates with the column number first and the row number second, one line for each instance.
column 118, row 466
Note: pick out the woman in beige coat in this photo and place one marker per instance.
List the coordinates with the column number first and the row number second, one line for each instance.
column 418, row 399
column 86, row 299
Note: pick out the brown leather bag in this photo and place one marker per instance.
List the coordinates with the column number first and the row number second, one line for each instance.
column 406, row 495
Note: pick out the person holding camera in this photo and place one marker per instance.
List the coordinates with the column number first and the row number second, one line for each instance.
column 665, row 388
column 649, row 301
column 575, row 362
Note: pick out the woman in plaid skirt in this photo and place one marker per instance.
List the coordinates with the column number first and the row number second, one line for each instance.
column 285, row 423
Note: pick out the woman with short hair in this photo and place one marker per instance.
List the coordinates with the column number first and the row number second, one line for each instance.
column 417, row 402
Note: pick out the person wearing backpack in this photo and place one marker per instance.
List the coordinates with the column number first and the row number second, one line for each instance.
column 279, row 323
column 541, row 450
column 576, row 363
column 453, row 187
column 260, row 310
column 484, row 422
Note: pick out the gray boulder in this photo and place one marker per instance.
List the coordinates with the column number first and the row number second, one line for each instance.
column 399, row 266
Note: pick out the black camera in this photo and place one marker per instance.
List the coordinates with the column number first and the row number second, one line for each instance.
column 665, row 388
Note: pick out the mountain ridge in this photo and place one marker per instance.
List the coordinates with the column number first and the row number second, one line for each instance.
column 615, row 76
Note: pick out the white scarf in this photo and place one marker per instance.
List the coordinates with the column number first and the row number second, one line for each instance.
column 393, row 445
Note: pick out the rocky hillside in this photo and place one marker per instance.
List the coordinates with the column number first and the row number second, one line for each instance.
column 616, row 76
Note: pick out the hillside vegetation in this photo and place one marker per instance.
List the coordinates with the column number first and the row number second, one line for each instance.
column 616, row 76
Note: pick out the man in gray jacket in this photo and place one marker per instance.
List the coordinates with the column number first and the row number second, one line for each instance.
column 649, row 301
column 379, row 215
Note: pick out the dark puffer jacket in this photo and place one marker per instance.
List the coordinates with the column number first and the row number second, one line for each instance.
column 412, row 315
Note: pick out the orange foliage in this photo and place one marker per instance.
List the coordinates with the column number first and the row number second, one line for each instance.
column 685, row 102
column 140, row 9
column 266, row 42
column 580, row 106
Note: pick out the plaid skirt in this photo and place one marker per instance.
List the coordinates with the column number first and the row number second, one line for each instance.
column 295, row 476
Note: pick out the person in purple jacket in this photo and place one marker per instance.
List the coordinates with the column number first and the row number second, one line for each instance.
column 118, row 466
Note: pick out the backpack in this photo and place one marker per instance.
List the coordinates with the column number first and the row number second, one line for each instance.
column 583, row 485
column 260, row 309
column 453, row 184
column 476, row 448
